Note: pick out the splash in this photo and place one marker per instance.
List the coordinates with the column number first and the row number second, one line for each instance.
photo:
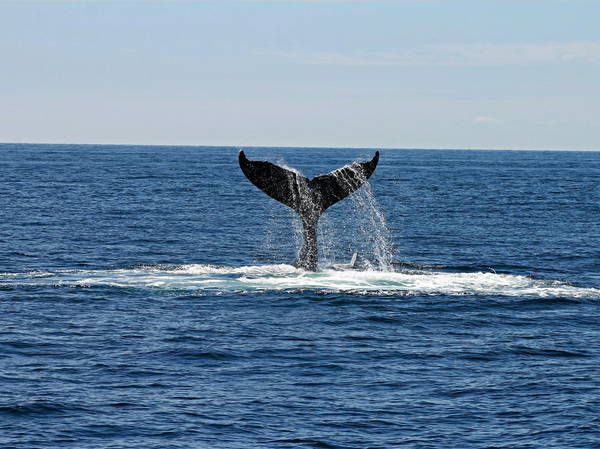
column 372, row 229
column 356, row 224
column 363, row 228
column 209, row 280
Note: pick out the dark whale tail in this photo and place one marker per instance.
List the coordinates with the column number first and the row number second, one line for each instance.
column 309, row 198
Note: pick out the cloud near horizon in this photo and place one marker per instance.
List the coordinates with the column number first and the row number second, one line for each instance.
column 478, row 54
column 485, row 119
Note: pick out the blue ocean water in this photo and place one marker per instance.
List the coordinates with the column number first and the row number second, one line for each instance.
column 147, row 301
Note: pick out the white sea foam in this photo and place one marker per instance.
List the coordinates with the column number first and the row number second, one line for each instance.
column 211, row 279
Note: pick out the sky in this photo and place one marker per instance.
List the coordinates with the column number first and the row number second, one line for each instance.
column 497, row 74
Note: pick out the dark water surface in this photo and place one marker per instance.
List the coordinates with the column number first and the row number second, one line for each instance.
column 146, row 302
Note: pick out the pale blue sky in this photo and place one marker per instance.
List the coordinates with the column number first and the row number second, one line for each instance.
column 521, row 74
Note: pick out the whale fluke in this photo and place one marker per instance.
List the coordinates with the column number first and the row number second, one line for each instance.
column 309, row 198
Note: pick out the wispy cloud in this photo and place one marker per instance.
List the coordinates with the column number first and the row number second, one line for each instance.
column 483, row 54
column 485, row 120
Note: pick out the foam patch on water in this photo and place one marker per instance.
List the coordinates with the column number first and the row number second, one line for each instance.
column 212, row 279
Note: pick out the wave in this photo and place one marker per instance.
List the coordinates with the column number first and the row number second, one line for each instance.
column 37, row 408
column 203, row 279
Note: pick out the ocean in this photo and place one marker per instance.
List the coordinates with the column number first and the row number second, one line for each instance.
column 147, row 301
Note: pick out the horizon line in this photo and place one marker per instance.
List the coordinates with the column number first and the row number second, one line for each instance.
column 453, row 148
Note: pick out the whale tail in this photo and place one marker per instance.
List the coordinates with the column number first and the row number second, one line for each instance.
column 309, row 198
